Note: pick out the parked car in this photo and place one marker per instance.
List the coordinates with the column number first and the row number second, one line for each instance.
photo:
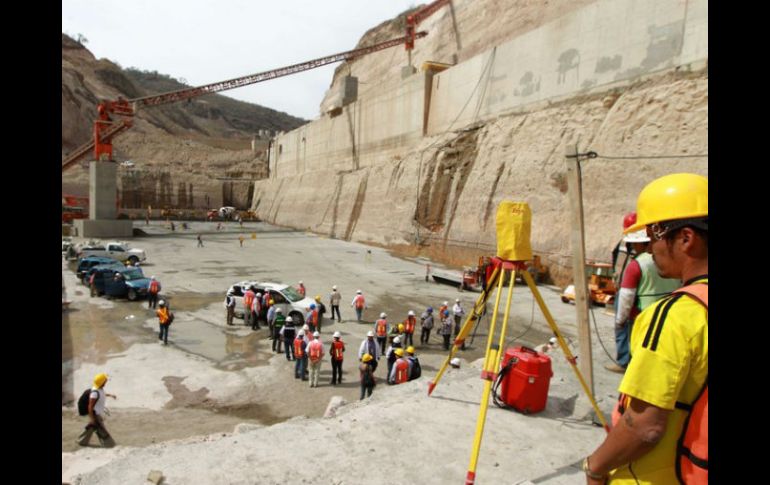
column 113, row 249
column 285, row 297
column 113, row 280
column 85, row 264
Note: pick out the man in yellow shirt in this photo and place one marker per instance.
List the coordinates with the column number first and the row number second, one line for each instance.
column 669, row 343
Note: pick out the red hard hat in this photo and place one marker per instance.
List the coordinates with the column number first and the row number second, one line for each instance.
column 629, row 220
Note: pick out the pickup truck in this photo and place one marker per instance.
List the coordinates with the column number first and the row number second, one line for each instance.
column 114, row 250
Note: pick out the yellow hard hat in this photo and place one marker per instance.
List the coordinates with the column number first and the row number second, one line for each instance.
column 272, row 302
column 671, row 197
column 410, row 350
column 318, row 298
column 366, row 358
column 100, row 380
column 399, row 352
column 400, row 327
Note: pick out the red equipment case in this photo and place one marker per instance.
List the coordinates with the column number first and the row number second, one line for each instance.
column 525, row 386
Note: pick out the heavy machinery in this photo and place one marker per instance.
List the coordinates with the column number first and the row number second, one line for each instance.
column 106, row 128
column 601, row 285
column 412, row 20
column 73, row 207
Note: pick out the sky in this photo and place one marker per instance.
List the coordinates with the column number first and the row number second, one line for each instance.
column 203, row 41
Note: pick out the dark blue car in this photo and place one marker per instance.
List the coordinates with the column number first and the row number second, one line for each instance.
column 85, row 264
column 112, row 280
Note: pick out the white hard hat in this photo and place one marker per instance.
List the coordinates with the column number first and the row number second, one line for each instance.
column 305, row 327
column 382, row 315
column 358, row 291
column 334, row 287
column 316, row 334
column 301, row 333
column 337, row 334
column 278, row 310
column 411, row 313
column 300, row 282
column 457, row 300
column 446, row 303
column 288, row 319
column 397, row 340
column 552, row 340
column 455, row 362
column 370, row 334
column 162, row 302
column 152, row 277
column 639, row 236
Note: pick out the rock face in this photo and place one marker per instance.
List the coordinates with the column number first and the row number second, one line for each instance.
column 179, row 149
column 374, row 172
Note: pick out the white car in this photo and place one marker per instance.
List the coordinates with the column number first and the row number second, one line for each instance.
column 284, row 297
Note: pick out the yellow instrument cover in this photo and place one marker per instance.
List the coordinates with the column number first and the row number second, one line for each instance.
column 514, row 225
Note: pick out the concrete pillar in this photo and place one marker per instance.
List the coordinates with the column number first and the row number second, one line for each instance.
column 103, row 190
column 349, row 90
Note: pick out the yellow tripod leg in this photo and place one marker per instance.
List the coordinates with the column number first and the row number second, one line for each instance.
column 465, row 330
column 491, row 365
column 570, row 358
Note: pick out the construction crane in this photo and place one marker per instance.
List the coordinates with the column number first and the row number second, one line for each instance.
column 105, row 128
column 413, row 20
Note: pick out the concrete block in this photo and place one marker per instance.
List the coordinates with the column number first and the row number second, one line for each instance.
column 349, row 90
column 103, row 190
column 104, row 228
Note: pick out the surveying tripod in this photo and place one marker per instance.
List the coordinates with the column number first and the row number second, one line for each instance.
column 503, row 271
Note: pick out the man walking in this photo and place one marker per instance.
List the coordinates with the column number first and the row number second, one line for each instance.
column 152, row 292
column 96, row 411
column 337, row 349
column 334, row 302
column 366, row 373
column 659, row 428
column 164, row 321
column 200, row 241
column 359, row 303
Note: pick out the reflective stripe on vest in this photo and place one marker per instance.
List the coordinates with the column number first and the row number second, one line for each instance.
column 382, row 328
column 337, row 347
column 298, row 342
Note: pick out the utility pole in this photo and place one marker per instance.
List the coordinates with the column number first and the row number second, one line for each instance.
column 575, row 192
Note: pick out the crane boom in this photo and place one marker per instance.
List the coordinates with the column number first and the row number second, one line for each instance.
column 105, row 129
column 413, row 20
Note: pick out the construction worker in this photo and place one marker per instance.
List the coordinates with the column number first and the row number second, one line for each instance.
column 445, row 330
column 415, row 369
column 256, row 307
column 366, row 373
column 659, row 426
column 336, row 350
column 277, row 326
column 400, row 370
column 152, row 292
column 381, row 331
column 409, row 324
column 459, row 313
column 334, row 302
column 315, row 353
column 300, row 356
column 321, row 310
column 287, row 333
column 271, row 313
column 391, row 353
column 96, row 410
column 164, row 321
column 311, row 317
column 240, row 240
column 640, row 287
column 248, row 299
column 426, row 322
column 369, row 346
column 444, row 306
column 200, row 239
column 359, row 303
column 229, row 307
column 301, row 289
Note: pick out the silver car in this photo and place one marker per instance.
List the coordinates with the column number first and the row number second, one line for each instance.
column 285, row 297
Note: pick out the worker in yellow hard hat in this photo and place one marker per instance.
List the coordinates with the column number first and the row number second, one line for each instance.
column 664, row 392
column 415, row 369
column 321, row 310
column 400, row 371
column 366, row 373
column 92, row 404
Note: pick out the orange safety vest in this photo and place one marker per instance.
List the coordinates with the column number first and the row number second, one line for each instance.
column 409, row 324
column 315, row 317
column 301, row 290
column 298, row 352
column 163, row 316
column 381, row 327
column 248, row 298
column 402, row 371
column 692, row 458
column 154, row 286
column 314, row 350
column 338, row 347
column 360, row 303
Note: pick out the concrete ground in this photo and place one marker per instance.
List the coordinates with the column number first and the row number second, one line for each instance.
column 211, row 378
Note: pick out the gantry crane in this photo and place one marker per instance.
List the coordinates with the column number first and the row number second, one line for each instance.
column 105, row 128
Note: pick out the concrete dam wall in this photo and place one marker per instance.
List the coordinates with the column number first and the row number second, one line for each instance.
column 427, row 159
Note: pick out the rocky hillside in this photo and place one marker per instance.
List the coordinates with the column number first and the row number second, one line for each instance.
column 182, row 144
